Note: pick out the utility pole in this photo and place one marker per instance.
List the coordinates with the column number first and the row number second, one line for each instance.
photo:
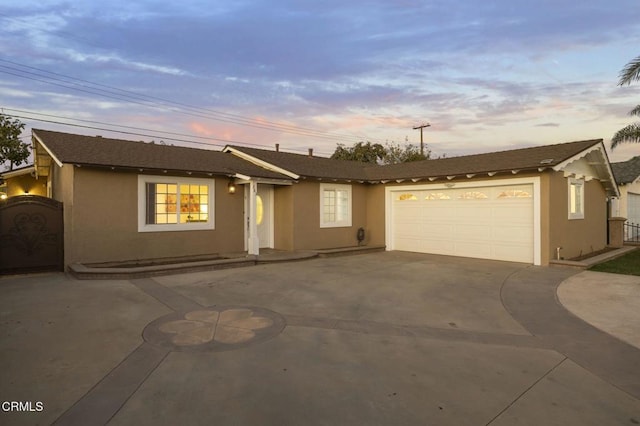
column 421, row 139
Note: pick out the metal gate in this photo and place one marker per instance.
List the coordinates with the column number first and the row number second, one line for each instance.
column 31, row 234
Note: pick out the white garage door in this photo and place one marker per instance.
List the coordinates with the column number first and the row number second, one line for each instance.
column 633, row 207
column 493, row 222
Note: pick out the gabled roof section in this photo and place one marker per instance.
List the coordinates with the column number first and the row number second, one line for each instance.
column 558, row 157
column 627, row 171
column 66, row 148
column 586, row 159
column 591, row 163
column 259, row 162
column 303, row 165
column 515, row 160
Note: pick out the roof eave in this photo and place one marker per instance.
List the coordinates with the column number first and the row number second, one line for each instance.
column 602, row 167
column 261, row 163
column 35, row 136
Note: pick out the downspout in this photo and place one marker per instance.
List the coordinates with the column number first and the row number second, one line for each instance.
column 608, row 216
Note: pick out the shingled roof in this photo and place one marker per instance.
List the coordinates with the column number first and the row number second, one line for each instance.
column 277, row 165
column 105, row 152
column 306, row 165
column 627, row 171
column 524, row 159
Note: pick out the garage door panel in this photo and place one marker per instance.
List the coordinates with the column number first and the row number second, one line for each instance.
column 440, row 246
column 472, row 211
column 514, row 214
column 473, row 249
column 486, row 222
column 409, row 244
column 407, row 231
column 472, row 232
column 438, row 211
column 513, row 253
column 511, row 234
column 437, row 231
column 410, row 214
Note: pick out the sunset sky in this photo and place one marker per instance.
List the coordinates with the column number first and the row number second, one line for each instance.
column 487, row 75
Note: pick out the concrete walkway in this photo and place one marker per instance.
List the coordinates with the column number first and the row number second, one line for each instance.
column 378, row 339
column 609, row 302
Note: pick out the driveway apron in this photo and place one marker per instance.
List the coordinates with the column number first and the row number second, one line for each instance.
column 533, row 302
column 386, row 338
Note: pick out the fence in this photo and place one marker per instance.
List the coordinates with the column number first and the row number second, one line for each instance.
column 631, row 232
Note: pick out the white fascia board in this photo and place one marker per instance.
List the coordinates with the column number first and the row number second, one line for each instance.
column 599, row 149
column 46, row 148
column 242, row 177
column 261, row 163
column 14, row 173
column 582, row 154
column 242, row 180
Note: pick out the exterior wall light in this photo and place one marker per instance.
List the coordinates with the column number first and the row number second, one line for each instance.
column 231, row 188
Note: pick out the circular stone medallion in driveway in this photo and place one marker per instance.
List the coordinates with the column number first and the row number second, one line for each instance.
column 217, row 328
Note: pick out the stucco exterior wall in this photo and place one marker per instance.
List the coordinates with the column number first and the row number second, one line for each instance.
column 376, row 228
column 304, row 231
column 576, row 236
column 545, row 215
column 102, row 222
column 283, row 217
column 62, row 190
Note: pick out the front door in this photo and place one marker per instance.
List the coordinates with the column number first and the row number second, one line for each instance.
column 264, row 215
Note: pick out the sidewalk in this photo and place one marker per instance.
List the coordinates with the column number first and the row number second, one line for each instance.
column 610, row 302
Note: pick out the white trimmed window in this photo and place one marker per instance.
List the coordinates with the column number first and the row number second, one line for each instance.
column 576, row 198
column 175, row 203
column 335, row 205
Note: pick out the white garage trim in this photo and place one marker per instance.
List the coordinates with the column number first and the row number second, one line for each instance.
column 534, row 181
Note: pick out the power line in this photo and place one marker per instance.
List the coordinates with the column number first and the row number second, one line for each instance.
column 138, row 130
column 154, row 102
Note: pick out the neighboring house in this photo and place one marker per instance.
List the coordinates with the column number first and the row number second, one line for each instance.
column 627, row 175
column 22, row 181
column 128, row 200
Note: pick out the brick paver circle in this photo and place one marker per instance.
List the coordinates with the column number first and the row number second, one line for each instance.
column 216, row 328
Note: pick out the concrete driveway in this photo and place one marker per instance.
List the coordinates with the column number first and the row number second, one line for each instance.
column 378, row 339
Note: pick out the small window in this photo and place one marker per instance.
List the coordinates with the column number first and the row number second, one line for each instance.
column 335, row 205
column 437, row 196
column 174, row 204
column 472, row 195
column 514, row 193
column 407, row 197
column 576, row 198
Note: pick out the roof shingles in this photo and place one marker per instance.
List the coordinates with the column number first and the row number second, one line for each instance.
column 627, row 171
column 106, row 152
column 503, row 161
column 98, row 151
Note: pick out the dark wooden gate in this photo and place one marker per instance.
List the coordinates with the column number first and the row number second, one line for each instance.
column 31, row 235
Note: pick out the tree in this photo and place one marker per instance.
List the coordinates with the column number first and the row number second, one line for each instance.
column 630, row 133
column 398, row 154
column 12, row 149
column 364, row 152
column 630, row 72
column 389, row 153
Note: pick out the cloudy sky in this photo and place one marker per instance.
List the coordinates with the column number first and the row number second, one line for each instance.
column 487, row 75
